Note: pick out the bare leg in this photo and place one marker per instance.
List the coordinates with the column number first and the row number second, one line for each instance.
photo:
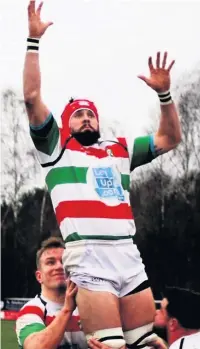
column 137, row 316
column 98, row 310
column 137, row 309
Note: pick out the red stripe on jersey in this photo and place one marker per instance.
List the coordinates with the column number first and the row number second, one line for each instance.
column 117, row 149
column 72, row 325
column 31, row 309
column 122, row 140
column 92, row 209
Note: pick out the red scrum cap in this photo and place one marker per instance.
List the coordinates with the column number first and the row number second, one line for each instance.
column 75, row 105
column 70, row 109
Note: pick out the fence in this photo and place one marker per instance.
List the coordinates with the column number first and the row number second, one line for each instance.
column 11, row 306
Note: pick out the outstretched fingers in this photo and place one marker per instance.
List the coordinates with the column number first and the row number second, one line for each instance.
column 171, row 65
column 150, row 64
column 39, row 8
column 48, row 24
column 164, row 60
column 158, row 60
column 31, row 8
column 144, row 78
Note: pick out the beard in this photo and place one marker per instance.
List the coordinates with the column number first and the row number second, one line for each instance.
column 87, row 137
column 161, row 332
column 62, row 288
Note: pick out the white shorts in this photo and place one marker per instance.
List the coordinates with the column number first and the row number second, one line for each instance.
column 114, row 267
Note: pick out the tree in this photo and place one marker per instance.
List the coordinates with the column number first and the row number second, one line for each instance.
column 8, row 223
column 29, row 235
column 18, row 260
column 19, row 167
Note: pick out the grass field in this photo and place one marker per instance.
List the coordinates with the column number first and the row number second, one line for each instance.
column 8, row 336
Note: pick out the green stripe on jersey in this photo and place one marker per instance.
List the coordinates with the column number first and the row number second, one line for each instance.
column 67, row 175
column 125, row 179
column 29, row 329
column 77, row 237
column 141, row 152
column 46, row 144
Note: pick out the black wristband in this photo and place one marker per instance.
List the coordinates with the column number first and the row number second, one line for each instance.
column 165, row 98
column 33, row 44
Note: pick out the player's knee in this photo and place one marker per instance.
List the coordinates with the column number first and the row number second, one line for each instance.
column 140, row 337
column 112, row 337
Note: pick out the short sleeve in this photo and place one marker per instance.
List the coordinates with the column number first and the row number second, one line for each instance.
column 46, row 139
column 29, row 321
column 143, row 151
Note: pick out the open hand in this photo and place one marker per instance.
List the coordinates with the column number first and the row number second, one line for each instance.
column 36, row 27
column 159, row 79
column 158, row 344
column 95, row 344
column 70, row 302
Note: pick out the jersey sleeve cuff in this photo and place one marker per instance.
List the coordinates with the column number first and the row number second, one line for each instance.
column 152, row 145
column 43, row 129
column 39, row 127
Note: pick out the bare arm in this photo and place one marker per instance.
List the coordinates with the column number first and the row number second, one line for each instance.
column 168, row 135
column 52, row 335
column 36, row 109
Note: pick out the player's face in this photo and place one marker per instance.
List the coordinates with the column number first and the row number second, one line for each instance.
column 83, row 120
column 161, row 317
column 51, row 273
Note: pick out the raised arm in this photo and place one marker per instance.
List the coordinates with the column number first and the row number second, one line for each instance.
column 168, row 135
column 51, row 336
column 36, row 109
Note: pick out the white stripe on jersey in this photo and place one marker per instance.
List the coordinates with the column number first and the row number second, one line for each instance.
column 27, row 319
column 90, row 226
column 75, row 337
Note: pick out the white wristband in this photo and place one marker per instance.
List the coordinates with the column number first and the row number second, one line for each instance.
column 33, row 44
column 165, row 97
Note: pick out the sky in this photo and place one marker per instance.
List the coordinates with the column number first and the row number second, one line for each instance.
column 96, row 48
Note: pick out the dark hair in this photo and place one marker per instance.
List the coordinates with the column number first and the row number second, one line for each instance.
column 52, row 242
column 184, row 305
